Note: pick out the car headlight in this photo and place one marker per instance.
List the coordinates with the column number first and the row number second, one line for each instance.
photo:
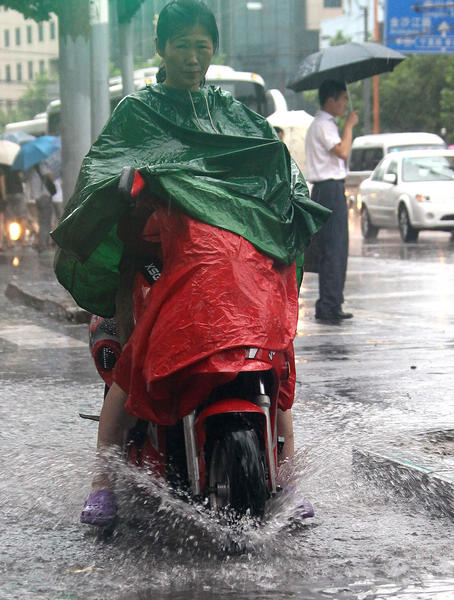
column 422, row 198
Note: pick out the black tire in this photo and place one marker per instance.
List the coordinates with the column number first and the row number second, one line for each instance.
column 368, row 231
column 236, row 475
column 407, row 232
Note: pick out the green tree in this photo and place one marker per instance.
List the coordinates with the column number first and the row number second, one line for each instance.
column 39, row 10
column 447, row 103
column 36, row 97
column 339, row 39
column 411, row 96
column 126, row 9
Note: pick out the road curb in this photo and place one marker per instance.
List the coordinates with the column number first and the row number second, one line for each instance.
column 62, row 308
column 421, row 477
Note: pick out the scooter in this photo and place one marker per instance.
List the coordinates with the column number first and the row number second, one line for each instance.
column 224, row 453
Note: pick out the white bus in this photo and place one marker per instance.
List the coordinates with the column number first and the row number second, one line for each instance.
column 36, row 126
column 247, row 87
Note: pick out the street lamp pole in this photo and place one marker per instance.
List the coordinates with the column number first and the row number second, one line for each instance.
column 366, row 82
column 376, row 91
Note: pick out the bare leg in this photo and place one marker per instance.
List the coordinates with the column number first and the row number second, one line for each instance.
column 114, row 420
column 285, row 429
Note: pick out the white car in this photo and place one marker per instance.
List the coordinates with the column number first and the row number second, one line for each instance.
column 411, row 191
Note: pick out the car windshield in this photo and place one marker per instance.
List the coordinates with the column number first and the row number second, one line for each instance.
column 427, row 146
column 428, row 168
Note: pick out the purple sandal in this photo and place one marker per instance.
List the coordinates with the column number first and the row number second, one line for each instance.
column 303, row 508
column 99, row 509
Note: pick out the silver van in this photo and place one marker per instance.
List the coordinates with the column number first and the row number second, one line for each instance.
column 368, row 150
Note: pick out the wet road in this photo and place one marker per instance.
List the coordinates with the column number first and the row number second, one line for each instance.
column 386, row 374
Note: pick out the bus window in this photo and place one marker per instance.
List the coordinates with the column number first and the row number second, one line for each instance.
column 250, row 93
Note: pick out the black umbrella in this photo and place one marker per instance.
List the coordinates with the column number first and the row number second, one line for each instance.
column 344, row 63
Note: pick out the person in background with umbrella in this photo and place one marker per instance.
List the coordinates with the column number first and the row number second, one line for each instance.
column 2, row 206
column 16, row 206
column 39, row 178
column 326, row 155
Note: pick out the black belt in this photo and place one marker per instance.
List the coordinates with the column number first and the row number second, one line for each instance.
column 327, row 180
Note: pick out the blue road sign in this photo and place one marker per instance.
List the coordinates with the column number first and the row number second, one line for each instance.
column 420, row 26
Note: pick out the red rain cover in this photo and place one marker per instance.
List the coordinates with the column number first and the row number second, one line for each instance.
column 216, row 295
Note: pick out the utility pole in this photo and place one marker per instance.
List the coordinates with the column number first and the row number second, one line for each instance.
column 99, row 54
column 74, row 89
column 376, row 79
column 366, row 82
column 126, row 57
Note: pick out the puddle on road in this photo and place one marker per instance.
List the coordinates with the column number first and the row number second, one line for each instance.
column 360, row 537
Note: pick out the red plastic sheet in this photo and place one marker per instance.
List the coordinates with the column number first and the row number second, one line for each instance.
column 217, row 294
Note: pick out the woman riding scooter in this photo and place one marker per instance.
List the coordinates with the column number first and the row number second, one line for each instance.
column 187, row 38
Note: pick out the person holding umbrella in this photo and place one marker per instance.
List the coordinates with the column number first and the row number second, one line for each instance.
column 39, row 177
column 2, row 207
column 326, row 155
column 8, row 152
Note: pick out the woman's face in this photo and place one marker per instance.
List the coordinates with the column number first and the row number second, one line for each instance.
column 187, row 56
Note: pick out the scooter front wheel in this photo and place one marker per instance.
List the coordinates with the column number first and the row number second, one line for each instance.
column 237, row 483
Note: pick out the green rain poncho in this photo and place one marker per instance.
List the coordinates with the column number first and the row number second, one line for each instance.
column 239, row 178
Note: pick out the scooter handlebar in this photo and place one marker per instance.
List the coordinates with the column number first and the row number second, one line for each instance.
column 131, row 184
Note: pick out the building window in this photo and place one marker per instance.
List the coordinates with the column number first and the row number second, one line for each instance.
column 42, row 67
column 19, row 72
column 17, row 36
column 30, row 70
column 41, row 32
column 53, row 66
column 332, row 3
column 52, row 30
column 8, row 73
column 6, row 38
column 29, row 34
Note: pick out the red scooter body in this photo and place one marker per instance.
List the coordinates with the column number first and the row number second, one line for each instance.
column 226, row 448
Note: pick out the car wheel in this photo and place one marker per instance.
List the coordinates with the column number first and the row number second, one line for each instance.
column 407, row 232
column 369, row 231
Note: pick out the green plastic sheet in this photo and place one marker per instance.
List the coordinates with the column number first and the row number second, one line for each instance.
column 203, row 153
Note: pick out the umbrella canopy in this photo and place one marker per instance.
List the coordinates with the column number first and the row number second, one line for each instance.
column 35, row 151
column 344, row 63
column 8, row 152
column 54, row 163
column 18, row 137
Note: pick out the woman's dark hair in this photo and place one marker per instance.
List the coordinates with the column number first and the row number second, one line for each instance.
column 183, row 14
column 330, row 89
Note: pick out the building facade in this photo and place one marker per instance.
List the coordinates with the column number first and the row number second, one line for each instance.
column 356, row 22
column 27, row 48
column 269, row 37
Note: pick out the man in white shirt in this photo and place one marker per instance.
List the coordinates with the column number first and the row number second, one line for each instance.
column 326, row 155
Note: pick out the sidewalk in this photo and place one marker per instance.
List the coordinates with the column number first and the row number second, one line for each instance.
column 48, row 297
column 393, row 338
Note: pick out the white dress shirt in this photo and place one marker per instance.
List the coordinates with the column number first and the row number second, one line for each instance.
column 321, row 137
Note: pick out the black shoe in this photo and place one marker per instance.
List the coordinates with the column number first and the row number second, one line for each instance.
column 335, row 316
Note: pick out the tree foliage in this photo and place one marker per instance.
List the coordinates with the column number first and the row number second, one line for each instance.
column 126, row 9
column 416, row 94
column 41, row 10
column 340, row 39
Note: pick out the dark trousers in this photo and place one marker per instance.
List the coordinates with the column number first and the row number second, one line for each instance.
column 333, row 245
